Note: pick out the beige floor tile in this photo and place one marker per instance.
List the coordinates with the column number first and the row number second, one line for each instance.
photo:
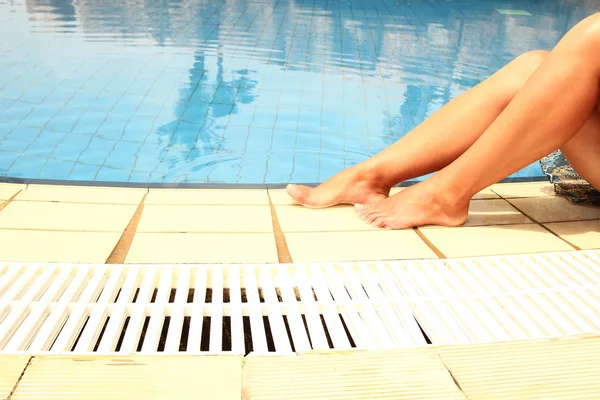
column 493, row 212
column 406, row 374
column 525, row 189
column 357, row 246
column 8, row 190
column 338, row 218
column 11, row 368
column 129, row 377
column 583, row 234
column 202, row 248
column 82, row 194
column 279, row 197
column 56, row 246
column 187, row 218
column 66, row 216
column 208, row 197
column 486, row 194
column 556, row 209
column 565, row 368
column 492, row 240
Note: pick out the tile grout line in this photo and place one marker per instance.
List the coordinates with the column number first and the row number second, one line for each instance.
column 283, row 252
column 454, row 379
column 14, row 389
column 121, row 249
column 429, row 244
column 7, row 202
column 542, row 225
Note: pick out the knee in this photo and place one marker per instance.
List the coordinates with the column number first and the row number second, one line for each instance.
column 531, row 60
column 522, row 68
column 588, row 37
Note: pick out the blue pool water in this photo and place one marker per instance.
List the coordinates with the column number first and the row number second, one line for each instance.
column 242, row 91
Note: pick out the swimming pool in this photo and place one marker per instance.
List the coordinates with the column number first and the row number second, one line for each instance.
column 247, row 91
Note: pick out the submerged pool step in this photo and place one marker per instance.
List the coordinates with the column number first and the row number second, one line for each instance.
column 237, row 309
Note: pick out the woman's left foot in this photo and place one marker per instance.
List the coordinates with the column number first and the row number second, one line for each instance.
column 415, row 206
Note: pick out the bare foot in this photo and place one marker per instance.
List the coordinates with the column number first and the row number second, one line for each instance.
column 354, row 185
column 415, row 206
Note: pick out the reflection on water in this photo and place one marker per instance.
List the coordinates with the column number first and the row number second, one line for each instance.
column 261, row 91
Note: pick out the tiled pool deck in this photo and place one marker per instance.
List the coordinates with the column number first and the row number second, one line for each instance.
column 518, row 370
column 40, row 223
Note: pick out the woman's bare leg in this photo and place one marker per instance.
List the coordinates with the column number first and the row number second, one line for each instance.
column 557, row 102
column 429, row 147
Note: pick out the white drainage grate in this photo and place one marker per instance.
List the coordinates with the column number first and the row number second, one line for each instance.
column 168, row 309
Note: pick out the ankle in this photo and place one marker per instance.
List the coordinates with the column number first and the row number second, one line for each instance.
column 372, row 172
column 449, row 196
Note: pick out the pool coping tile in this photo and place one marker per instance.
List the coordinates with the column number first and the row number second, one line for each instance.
column 82, row 194
column 8, row 190
column 256, row 197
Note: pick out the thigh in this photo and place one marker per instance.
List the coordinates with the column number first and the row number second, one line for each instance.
column 583, row 150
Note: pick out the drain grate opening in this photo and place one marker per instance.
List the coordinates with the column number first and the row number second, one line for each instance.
column 122, row 335
column 427, row 339
column 135, row 296
column 101, row 334
column 163, row 334
column 185, row 331
column 117, row 296
column 172, row 295
column 205, row 339
column 307, row 331
column 80, row 333
column 289, row 333
column 247, row 335
column 143, row 334
column 244, row 297
column 190, row 296
column 154, row 294
column 226, row 296
column 347, row 332
column 208, row 296
column 297, row 293
column 327, row 336
column 269, row 334
column 226, row 334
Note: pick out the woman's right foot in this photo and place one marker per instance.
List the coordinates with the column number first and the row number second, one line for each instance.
column 351, row 186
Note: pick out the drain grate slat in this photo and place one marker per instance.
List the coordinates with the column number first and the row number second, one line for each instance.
column 176, row 324
column 169, row 309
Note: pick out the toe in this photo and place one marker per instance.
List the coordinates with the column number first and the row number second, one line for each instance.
column 373, row 216
column 298, row 192
column 379, row 222
column 366, row 212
